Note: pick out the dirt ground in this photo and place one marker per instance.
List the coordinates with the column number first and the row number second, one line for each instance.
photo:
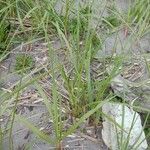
column 31, row 105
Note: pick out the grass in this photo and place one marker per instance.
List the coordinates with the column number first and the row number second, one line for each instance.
column 4, row 35
column 84, row 94
column 112, row 21
column 24, row 63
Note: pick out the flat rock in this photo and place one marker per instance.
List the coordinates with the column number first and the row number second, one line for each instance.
column 132, row 128
column 120, row 44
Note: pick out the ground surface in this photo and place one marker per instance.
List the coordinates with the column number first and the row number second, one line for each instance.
column 31, row 105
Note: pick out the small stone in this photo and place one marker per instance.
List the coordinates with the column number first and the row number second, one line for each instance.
column 112, row 134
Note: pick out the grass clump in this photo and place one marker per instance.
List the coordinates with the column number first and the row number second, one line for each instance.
column 80, row 22
column 139, row 11
column 73, row 23
column 24, row 63
column 81, row 95
column 95, row 42
column 4, row 36
column 112, row 21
